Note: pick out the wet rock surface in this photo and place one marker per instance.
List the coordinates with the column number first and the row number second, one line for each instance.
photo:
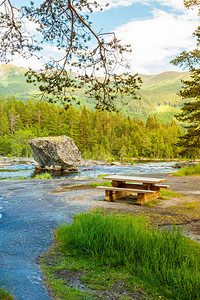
column 29, row 214
column 58, row 152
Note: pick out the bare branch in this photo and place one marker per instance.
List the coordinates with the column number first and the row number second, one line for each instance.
column 65, row 24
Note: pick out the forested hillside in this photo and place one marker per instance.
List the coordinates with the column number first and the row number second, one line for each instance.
column 99, row 135
column 13, row 82
column 159, row 96
column 158, row 93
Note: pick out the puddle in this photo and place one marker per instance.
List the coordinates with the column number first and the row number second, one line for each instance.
column 10, row 201
column 1, row 215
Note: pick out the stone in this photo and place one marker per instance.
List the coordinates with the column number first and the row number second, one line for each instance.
column 88, row 169
column 185, row 164
column 115, row 163
column 56, row 152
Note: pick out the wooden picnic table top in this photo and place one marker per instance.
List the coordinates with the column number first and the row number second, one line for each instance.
column 134, row 179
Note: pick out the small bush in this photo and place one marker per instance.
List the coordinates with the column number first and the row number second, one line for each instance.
column 165, row 259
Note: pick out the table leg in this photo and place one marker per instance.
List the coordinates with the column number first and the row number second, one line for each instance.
column 108, row 196
column 145, row 198
column 116, row 183
column 112, row 196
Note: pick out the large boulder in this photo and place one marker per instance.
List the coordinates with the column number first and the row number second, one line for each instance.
column 58, row 152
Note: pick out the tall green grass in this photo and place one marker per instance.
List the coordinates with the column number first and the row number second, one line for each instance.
column 165, row 259
column 187, row 171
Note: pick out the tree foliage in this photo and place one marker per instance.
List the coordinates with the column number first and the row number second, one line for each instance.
column 98, row 134
column 191, row 92
column 66, row 25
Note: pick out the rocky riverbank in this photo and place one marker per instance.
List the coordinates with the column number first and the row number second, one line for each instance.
column 91, row 162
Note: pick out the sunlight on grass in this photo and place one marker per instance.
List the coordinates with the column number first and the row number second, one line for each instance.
column 163, row 108
column 43, row 176
column 104, row 183
column 102, row 175
column 166, row 194
column 151, row 203
column 188, row 171
column 193, row 205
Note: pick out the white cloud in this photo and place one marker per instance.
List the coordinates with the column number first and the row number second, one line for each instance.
column 154, row 42
column 31, row 62
column 176, row 4
column 157, row 40
column 36, row 64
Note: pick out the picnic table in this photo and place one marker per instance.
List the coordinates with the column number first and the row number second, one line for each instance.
column 147, row 189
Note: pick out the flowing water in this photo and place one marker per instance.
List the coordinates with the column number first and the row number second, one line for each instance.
column 17, row 171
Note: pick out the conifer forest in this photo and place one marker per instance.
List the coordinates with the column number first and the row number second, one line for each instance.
column 99, row 135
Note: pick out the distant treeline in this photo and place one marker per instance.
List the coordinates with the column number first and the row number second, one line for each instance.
column 99, row 135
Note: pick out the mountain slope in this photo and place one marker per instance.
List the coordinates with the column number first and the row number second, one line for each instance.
column 13, row 82
column 158, row 92
column 158, row 96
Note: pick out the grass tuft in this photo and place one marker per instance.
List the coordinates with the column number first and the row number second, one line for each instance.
column 102, row 175
column 104, row 183
column 164, row 259
column 166, row 194
column 188, row 171
column 43, row 176
column 152, row 203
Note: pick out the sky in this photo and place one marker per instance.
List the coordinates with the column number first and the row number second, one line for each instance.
column 158, row 30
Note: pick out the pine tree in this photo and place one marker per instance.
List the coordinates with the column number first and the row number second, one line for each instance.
column 66, row 25
column 191, row 90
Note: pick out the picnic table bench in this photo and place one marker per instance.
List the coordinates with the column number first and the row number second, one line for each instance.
column 147, row 189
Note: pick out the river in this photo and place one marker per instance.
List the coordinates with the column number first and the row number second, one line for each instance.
column 17, row 170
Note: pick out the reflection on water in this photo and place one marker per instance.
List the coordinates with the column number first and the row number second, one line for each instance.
column 27, row 171
column 55, row 174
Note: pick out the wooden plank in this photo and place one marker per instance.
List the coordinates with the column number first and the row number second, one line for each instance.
column 116, row 183
column 162, row 186
column 138, row 185
column 110, row 188
column 134, row 179
column 141, row 186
